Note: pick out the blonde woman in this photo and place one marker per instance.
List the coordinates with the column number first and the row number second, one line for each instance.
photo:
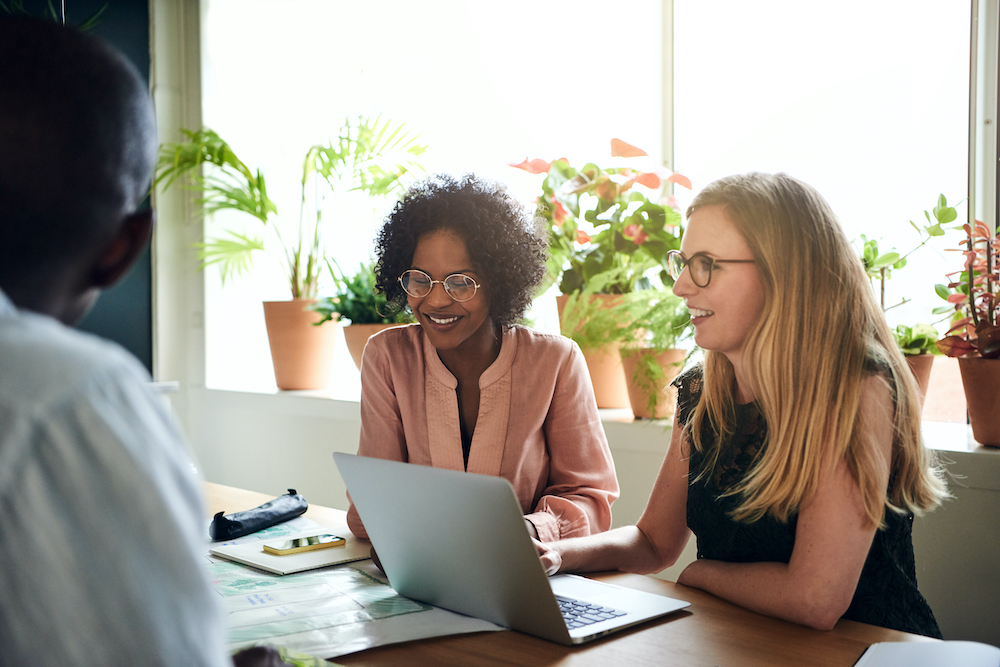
column 796, row 456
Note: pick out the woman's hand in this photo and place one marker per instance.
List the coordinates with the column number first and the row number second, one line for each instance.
column 550, row 557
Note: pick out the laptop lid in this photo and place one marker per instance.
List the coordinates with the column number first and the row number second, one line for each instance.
column 457, row 540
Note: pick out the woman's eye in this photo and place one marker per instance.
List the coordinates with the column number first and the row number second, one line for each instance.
column 702, row 264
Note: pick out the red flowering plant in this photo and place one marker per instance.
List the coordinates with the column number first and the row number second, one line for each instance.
column 627, row 232
column 975, row 295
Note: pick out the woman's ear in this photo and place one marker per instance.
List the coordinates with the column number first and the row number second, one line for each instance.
column 123, row 250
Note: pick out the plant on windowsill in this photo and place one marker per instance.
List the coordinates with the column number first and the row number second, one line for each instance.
column 370, row 155
column 974, row 336
column 599, row 221
column 593, row 320
column 634, row 336
column 355, row 300
column 918, row 343
column 658, row 321
column 616, row 223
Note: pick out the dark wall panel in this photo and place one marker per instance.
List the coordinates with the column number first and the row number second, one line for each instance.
column 123, row 313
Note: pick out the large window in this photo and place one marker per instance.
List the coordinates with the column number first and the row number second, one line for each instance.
column 867, row 101
column 487, row 84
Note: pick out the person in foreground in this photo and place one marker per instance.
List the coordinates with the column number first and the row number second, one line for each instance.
column 102, row 531
column 795, row 457
column 467, row 388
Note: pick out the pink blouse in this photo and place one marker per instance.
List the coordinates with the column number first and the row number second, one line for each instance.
column 538, row 424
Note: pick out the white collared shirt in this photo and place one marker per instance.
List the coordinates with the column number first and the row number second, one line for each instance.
column 101, row 519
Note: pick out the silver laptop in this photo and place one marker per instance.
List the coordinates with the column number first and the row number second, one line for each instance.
column 457, row 540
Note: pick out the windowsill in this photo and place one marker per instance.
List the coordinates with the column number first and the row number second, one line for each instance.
column 342, row 399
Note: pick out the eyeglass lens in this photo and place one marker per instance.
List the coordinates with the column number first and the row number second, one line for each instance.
column 418, row 284
column 699, row 266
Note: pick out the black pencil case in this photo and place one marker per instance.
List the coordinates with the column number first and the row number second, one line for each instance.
column 282, row 508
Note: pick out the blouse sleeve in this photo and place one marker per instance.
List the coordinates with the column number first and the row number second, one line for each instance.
column 582, row 483
column 381, row 424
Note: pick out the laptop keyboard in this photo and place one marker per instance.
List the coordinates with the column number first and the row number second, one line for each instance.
column 579, row 613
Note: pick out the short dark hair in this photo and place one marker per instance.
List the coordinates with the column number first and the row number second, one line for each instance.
column 505, row 242
column 77, row 144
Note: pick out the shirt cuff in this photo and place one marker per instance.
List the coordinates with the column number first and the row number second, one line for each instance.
column 546, row 525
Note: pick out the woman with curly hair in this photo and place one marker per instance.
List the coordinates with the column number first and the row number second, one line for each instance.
column 467, row 387
column 795, row 457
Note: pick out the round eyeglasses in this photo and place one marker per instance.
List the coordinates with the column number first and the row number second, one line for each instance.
column 699, row 266
column 458, row 286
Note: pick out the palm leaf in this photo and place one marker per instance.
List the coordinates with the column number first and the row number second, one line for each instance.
column 234, row 255
column 235, row 186
column 369, row 155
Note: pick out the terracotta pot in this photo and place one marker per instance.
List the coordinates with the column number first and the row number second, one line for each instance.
column 605, row 366
column 981, row 379
column 640, row 387
column 920, row 365
column 301, row 352
column 357, row 335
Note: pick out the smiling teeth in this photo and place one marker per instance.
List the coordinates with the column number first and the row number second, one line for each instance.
column 446, row 320
column 697, row 312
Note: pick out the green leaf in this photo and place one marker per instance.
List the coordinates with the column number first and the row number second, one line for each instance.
column 918, row 339
column 944, row 213
column 233, row 254
column 355, row 298
column 886, row 259
column 369, row 155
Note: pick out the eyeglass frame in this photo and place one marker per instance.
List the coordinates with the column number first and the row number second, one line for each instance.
column 711, row 268
column 444, row 283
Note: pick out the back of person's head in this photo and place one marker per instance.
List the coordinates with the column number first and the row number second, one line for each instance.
column 503, row 239
column 821, row 331
column 77, row 147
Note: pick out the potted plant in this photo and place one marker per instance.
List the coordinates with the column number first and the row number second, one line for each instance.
column 356, row 301
column 369, row 155
column 658, row 320
column 597, row 326
column 916, row 342
column 599, row 221
column 614, row 222
column 632, row 337
column 974, row 337
column 919, row 345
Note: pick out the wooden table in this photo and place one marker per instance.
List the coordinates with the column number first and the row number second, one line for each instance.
column 711, row 632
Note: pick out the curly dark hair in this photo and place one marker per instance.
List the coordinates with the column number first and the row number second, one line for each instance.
column 505, row 242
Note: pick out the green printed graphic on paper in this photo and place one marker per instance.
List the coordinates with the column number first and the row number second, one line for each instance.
column 327, row 598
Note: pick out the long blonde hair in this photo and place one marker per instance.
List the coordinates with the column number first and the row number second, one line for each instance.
column 806, row 356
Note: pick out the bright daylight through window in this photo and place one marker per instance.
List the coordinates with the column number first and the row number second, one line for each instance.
column 867, row 101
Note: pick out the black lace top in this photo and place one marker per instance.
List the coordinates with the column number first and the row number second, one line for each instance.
column 887, row 593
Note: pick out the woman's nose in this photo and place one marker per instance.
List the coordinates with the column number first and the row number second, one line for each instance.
column 439, row 296
column 684, row 286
